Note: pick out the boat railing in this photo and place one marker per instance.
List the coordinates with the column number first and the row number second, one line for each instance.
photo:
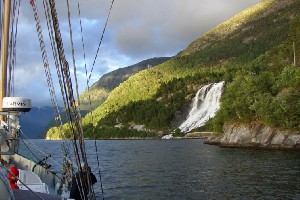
column 32, row 181
column 42, row 187
column 8, row 142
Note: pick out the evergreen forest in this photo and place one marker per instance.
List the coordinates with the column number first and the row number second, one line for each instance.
column 256, row 53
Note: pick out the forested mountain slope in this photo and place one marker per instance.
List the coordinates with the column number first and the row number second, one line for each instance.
column 100, row 90
column 252, row 52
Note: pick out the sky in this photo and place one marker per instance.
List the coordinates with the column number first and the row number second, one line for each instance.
column 136, row 30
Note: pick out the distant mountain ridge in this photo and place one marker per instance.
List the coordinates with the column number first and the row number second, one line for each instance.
column 113, row 79
column 34, row 123
column 100, row 90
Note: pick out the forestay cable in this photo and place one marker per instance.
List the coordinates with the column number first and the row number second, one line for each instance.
column 101, row 39
column 88, row 80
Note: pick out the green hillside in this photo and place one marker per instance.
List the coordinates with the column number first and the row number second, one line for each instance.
column 252, row 52
column 99, row 91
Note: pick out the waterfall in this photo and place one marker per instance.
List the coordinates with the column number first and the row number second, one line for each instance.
column 204, row 106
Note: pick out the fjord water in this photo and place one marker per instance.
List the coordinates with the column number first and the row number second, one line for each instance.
column 187, row 169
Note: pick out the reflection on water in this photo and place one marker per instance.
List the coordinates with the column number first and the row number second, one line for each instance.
column 188, row 169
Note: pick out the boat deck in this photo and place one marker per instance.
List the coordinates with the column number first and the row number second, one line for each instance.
column 26, row 194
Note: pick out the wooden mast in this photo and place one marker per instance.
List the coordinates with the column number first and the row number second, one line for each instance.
column 4, row 52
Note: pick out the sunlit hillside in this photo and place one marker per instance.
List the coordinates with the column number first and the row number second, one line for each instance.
column 252, row 52
column 94, row 96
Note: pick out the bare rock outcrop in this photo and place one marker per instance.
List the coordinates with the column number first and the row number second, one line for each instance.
column 258, row 135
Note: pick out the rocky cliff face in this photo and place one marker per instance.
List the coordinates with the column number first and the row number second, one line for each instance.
column 257, row 135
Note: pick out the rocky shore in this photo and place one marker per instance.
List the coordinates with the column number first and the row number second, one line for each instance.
column 256, row 135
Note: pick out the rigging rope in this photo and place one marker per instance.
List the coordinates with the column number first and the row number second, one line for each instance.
column 12, row 62
column 12, row 47
column 44, row 57
column 74, row 120
column 33, row 192
column 3, row 178
column 88, row 80
column 100, row 42
column 65, row 81
column 65, row 176
column 46, row 65
column 58, row 118
column 73, row 54
column 85, row 66
column 33, row 154
column 35, row 147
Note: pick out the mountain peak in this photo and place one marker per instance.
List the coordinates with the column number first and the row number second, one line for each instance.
column 242, row 21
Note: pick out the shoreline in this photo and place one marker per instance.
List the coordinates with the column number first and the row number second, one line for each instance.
column 252, row 146
column 214, row 138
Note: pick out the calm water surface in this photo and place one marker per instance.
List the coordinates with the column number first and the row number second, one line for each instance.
column 187, row 169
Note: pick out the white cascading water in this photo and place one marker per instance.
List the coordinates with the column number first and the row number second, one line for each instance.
column 204, row 106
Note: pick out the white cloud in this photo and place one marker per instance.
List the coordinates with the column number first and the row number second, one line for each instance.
column 137, row 30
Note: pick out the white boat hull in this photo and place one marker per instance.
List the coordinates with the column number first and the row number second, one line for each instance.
column 47, row 177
